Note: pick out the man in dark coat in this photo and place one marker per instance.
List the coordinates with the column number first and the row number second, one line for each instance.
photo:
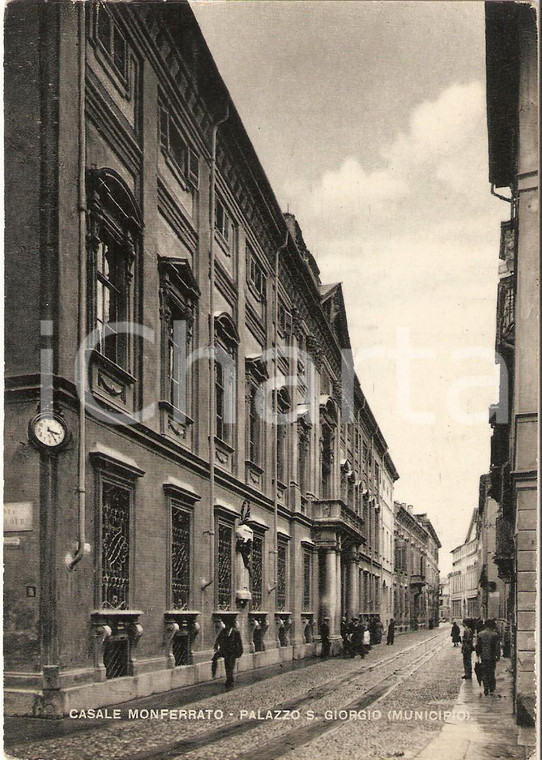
column 324, row 635
column 228, row 645
column 344, row 635
column 488, row 649
column 391, row 632
column 379, row 629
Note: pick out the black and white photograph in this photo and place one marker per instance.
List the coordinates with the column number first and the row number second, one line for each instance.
column 271, row 373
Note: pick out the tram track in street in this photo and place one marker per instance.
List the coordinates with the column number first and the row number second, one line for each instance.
column 296, row 736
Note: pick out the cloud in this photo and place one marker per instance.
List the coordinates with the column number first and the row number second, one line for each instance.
column 437, row 164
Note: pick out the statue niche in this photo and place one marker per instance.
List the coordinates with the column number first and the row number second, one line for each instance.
column 244, row 536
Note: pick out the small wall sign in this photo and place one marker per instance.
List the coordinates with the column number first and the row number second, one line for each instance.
column 18, row 516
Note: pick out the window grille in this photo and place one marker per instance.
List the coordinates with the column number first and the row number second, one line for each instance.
column 117, row 657
column 115, row 546
column 281, row 577
column 180, row 648
column 180, row 558
column 224, row 585
column 307, row 580
column 257, row 572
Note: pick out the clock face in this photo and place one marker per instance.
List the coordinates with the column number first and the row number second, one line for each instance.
column 49, row 431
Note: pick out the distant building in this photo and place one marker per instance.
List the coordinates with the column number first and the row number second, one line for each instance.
column 512, row 115
column 444, row 599
column 416, row 584
column 464, row 576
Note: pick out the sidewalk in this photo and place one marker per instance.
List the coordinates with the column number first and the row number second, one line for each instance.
column 490, row 733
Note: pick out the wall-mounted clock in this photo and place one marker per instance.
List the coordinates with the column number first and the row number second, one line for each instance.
column 48, row 431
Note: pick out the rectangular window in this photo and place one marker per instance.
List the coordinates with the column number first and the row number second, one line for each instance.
column 223, row 223
column 225, row 396
column 219, row 400
column 112, row 289
column 184, row 160
column 254, row 426
column 257, row 572
column 111, row 40
column 224, row 566
column 280, row 431
column 302, row 461
column 115, row 547
column 281, row 576
column 326, row 461
column 176, row 360
column 180, row 557
column 255, row 275
column 307, row 580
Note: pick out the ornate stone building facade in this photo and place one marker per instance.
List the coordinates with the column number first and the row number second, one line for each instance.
column 512, row 110
column 186, row 439
column 416, row 585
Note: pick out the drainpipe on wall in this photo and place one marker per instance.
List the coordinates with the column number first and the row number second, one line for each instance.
column 82, row 547
column 211, row 397
column 275, row 413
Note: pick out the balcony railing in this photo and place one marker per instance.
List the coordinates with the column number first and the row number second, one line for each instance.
column 335, row 513
column 417, row 580
column 506, row 314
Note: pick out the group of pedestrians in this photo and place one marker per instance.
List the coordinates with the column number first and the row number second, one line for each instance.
column 483, row 639
column 360, row 634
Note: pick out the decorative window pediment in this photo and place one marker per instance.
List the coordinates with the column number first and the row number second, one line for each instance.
column 226, row 329
column 177, row 273
column 257, row 368
column 328, row 410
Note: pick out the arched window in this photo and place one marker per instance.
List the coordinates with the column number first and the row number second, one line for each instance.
column 114, row 243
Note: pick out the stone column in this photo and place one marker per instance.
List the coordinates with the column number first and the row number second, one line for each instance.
column 330, row 605
column 338, row 592
column 353, row 591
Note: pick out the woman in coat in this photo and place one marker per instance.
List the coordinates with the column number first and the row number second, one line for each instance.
column 456, row 635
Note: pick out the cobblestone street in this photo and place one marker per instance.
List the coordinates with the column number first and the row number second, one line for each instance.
column 348, row 708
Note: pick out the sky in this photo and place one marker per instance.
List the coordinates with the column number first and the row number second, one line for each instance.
column 369, row 121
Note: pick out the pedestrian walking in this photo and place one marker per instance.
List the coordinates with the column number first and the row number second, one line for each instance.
column 344, row 635
column 456, row 635
column 391, row 632
column 324, row 636
column 488, row 649
column 467, row 648
column 228, row 645
column 366, row 640
column 357, row 638
column 379, row 630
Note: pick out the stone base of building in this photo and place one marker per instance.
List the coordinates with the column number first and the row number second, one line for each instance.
column 27, row 699
column 525, row 710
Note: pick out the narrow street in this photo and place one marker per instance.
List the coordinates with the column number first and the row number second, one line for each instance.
column 350, row 708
